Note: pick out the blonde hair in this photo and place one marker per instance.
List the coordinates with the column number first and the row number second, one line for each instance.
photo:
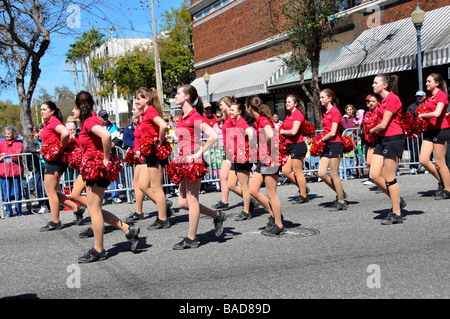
column 153, row 99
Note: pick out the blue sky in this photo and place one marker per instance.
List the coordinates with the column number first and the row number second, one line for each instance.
column 127, row 14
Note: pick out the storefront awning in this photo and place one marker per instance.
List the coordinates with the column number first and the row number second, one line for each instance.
column 242, row 81
column 393, row 48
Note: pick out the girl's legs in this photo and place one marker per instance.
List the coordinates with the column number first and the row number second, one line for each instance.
column 271, row 189
column 440, row 153
column 293, row 170
column 139, row 195
column 255, row 186
column 333, row 181
column 425, row 153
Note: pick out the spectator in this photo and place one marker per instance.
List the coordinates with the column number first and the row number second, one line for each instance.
column 415, row 143
column 128, row 134
column 349, row 121
column 36, row 165
column 276, row 121
column 116, row 141
column 11, row 170
column 209, row 117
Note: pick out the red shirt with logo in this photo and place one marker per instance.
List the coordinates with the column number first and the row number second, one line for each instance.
column 89, row 141
column 229, row 122
column 49, row 131
column 189, row 131
column 439, row 122
column 148, row 125
column 332, row 116
column 392, row 104
column 295, row 116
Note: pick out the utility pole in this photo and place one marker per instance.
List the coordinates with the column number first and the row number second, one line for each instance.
column 116, row 103
column 158, row 75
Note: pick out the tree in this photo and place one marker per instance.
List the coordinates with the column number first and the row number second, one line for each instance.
column 309, row 25
column 25, row 35
column 176, row 49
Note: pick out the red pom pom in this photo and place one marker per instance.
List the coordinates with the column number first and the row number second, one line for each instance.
column 164, row 151
column 308, row 129
column 147, row 145
column 180, row 168
column 75, row 158
column 423, row 109
column 347, row 144
column 411, row 126
column 130, row 158
column 317, row 145
column 52, row 150
column 93, row 169
column 370, row 121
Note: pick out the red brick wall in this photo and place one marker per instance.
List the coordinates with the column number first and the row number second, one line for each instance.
column 243, row 25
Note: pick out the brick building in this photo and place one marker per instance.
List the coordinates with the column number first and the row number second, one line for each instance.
column 232, row 45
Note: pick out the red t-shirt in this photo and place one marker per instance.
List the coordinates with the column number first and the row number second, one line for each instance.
column 189, row 132
column 332, row 116
column 259, row 126
column 295, row 116
column 236, row 133
column 211, row 120
column 89, row 141
column 137, row 137
column 229, row 122
column 49, row 133
column 148, row 125
column 439, row 122
column 391, row 103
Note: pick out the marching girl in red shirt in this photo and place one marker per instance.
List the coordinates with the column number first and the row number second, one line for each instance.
column 293, row 169
column 224, row 104
column 151, row 179
column 189, row 132
column 265, row 130
column 437, row 135
column 333, row 151
column 239, row 135
column 389, row 147
column 94, row 137
column 55, row 132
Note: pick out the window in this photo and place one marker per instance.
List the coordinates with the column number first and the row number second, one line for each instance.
column 210, row 9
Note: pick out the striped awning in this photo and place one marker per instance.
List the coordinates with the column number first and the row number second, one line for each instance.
column 393, row 48
column 250, row 79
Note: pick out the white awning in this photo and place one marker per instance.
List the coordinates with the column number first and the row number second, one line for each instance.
column 242, row 81
column 393, row 48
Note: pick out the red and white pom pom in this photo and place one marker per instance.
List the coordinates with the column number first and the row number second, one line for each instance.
column 410, row 125
column 347, row 144
column 52, row 150
column 92, row 167
column 147, row 145
column 317, row 145
column 370, row 121
column 130, row 158
column 164, row 151
column 308, row 129
column 423, row 109
column 75, row 159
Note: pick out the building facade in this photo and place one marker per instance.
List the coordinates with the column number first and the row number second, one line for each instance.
column 117, row 106
column 232, row 45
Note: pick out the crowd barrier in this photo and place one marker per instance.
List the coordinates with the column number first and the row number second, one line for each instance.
column 20, row 193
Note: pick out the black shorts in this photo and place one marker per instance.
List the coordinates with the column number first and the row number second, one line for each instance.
column 298, row 150
column 333, row 150
column 100, row 183
column 52, row 167
column 244, row 167
column 391, row 146
column 263, row 169
column 154, row 161
column 437, row 136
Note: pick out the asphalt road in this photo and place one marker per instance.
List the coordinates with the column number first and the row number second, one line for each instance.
column 332, row 255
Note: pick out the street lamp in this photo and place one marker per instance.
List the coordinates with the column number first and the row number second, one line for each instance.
column 418, row 17
column 206, row 78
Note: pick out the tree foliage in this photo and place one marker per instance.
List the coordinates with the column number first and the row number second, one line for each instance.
column 309, row 24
